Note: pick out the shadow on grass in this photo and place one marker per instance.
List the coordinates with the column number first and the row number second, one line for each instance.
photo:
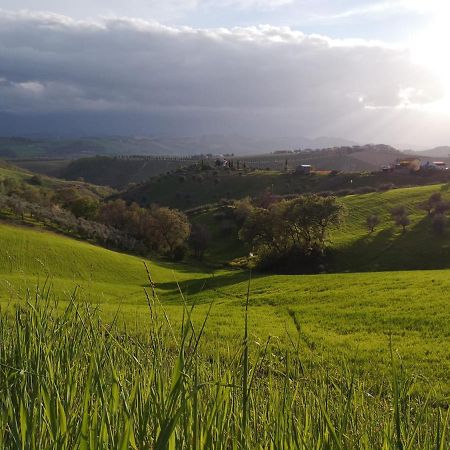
column 207, row 283
column 391, row 249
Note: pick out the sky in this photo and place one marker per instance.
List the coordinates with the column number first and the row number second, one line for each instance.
column 370, row 70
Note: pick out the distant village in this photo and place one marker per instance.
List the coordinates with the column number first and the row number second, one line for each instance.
column 404, row 165
column 414, row 165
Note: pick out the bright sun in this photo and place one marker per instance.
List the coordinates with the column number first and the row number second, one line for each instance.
column 431, row 47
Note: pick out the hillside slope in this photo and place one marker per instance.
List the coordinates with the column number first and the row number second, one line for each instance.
column 29, row 255
column 349, row 315
column 48, row 183
column 118, row 172
column 353, row 248
column 194, row 186
column 388, row 248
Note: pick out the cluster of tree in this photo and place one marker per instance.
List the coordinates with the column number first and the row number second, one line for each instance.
column 435, row 206
column 80, row 203
column 399, row 215
column 163, row 230
column 55, row 217
column 290, row 234
column 77, row 211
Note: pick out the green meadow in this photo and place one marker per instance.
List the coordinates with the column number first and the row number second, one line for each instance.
column 355, row 317
column 101, row 349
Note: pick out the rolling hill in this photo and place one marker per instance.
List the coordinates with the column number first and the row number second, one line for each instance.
column 21, row 147
column 354, row 249
column 118, row 172
column 48, row 183
column 30, row 255
column 437, row 152
column 193, row 186
column 341, row 315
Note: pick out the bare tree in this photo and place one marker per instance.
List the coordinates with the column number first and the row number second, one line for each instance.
column 400, row 216
column 372, row 222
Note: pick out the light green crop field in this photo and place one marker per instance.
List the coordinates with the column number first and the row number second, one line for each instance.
column 351, row 317
column 388, row 248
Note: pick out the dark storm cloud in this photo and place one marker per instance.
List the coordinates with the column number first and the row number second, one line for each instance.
column 262, row 76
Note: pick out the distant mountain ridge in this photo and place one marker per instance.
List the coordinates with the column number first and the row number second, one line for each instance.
column 20, row 147
column 442, row 151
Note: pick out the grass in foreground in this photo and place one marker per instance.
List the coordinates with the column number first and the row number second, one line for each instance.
column 68, row 380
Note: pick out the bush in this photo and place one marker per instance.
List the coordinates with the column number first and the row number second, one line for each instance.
column 294, row 261
column 36, row 180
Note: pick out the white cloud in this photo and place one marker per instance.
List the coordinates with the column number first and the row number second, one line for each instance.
column 262, row 76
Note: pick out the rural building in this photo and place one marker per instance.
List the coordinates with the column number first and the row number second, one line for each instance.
column 304, row 169
column 435, row 165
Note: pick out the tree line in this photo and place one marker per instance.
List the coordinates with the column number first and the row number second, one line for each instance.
column 76, row 210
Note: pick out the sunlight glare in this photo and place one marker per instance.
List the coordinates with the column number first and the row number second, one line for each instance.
column 431, row 47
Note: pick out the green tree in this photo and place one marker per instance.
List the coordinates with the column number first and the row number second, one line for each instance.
column 199, row 239
column 431, row 203
column 79, row 202
column 170, row 229
column 298, row 226
column 308, row 219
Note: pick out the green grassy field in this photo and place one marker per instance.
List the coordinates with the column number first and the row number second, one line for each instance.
column 353, row 360
column 48, row 183
column 69, row 380
column 333, row 360
column 343, row 316
column 354, row 249
column 388, row 248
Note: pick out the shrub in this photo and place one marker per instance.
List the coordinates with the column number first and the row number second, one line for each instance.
column 36, row 180
column 435, row 204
